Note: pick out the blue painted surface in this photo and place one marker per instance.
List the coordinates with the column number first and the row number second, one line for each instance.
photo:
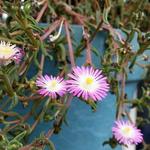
column 87, row 130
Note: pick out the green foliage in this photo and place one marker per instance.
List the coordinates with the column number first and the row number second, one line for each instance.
column 112, row 142
column 11, row 144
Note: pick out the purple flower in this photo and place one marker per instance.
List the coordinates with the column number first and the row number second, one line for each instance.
column 9, row 53
column 88, row 83
column 51, row 86
column 127, row 133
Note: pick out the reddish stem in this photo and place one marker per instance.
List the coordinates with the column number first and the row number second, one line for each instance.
column 49, row 133
column 50, row 29
column 41, row 64
column 129, row 117
column 69, row 100
column 71, row 52
column 40, row 14
column 18, row 121
column 35, row 124
column 88, row 48
column 29, row 98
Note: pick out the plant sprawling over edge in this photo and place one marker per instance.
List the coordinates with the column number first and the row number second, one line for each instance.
column 27, row 44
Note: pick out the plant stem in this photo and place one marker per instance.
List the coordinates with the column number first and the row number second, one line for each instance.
column 14, row 41
column 121, row 99
column 41, row 115
column 96, row 30
column 40, row 14
column 128, row 115
column 71, row 52
column 25, row 66
column 10, row 90
column 92, row 36
column 41, row 65
column 29, row 98
column 107, row 3
column 50, row 29
column 51, row 131
column 24, row 25
column 88, row 47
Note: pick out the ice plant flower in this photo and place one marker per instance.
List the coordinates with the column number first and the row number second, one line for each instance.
column 51, row 86
column 127, row 133
column 87, row 83
column 9, row 53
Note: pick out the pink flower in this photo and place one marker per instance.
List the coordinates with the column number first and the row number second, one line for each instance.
column 9, row 53
column 88, row 83
column 127, row 133
column 51, row 86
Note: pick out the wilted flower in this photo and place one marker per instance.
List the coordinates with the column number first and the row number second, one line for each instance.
column 88, row 83
column 51, row 86
column 9, row 53
column 127, row 133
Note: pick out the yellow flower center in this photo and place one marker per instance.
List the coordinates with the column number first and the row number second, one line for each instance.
column 53, row 86
column 5, row 52
column 89, row 81
column 127, row 131
column 54, row 83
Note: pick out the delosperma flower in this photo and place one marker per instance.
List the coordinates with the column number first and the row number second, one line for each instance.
column 51, row 86
column 9, row 53
column 127, row 133
column 87, row 83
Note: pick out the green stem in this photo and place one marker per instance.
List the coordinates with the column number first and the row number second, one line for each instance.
column 40, row 115
column 121, row 98
column 24, row 25
column 131, row 101
column 10, row 90
column 16, row 42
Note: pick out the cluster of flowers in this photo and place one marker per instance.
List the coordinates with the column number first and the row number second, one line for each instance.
column 84, row 82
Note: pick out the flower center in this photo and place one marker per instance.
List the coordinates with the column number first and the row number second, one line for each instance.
column 54, row 83
column 127, row 131
column 89, row 81
column 52, row 86
column 5, row 52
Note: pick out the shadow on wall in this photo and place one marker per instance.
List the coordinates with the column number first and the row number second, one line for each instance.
column 144, row 113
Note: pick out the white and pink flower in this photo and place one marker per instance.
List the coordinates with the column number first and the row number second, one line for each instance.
column 88, row 83
column 9, row 53
column 51, row 86
column 127, row 133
